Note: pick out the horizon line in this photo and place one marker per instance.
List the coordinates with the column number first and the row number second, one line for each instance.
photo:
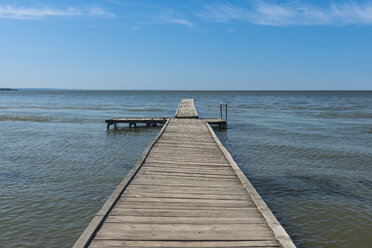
column 66, row 89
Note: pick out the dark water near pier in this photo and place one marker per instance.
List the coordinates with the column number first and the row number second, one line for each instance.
column 309, row 155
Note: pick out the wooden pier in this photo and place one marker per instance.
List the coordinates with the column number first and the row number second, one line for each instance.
column 153, row 122
column 149, row 122
column 186, row 109
column 185, row 191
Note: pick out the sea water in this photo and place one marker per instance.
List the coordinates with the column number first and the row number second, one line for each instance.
column 309, row 155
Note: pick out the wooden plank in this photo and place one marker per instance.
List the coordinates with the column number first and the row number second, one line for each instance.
column 144, row 194
column 233, row 227
column 193, row 172
column 183, row 149
column 174, row 174
column 182, row 205
column 190, row 244
column 220, row 163
column 187, row 189
column 192, row 169
column 185, row 212
column 208, row 201
column 204, row 181
column 153, row 170
column 177, row 182
column 190, row 160
column 185, row 232
column 183, row 220
column 136, row 119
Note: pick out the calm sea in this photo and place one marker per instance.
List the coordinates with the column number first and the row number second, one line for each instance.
column 309, row 155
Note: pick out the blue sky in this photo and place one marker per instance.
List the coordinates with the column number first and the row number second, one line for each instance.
column 190, row 44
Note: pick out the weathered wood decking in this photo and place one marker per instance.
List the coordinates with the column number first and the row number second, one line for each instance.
column 185, row 191
column 186, row 109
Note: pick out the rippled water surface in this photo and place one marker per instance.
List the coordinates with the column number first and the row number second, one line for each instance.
column 309, row 155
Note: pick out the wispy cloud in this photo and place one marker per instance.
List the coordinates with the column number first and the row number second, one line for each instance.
column 151, row 13
column 182, row 22
column 99, row 12
column 261, row 12
column 22, row 13
column 290, row 13
column 169, row 19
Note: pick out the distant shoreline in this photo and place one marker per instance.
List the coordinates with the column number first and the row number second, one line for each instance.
column 7, row 89
column 178, row 90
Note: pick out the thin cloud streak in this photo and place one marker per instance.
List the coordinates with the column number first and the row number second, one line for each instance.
column 9, row 12
column 260, row 12
column 170, row 20
column 154, row 14
column 159, row 16
column 290, row 13
column 182, row 22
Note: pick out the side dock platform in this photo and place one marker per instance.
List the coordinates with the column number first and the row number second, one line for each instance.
column 186, row 109
column 185, row 191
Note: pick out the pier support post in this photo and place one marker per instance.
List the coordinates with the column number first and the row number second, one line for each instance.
column 225, row 104
column 226, row 115
column 226, row 112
